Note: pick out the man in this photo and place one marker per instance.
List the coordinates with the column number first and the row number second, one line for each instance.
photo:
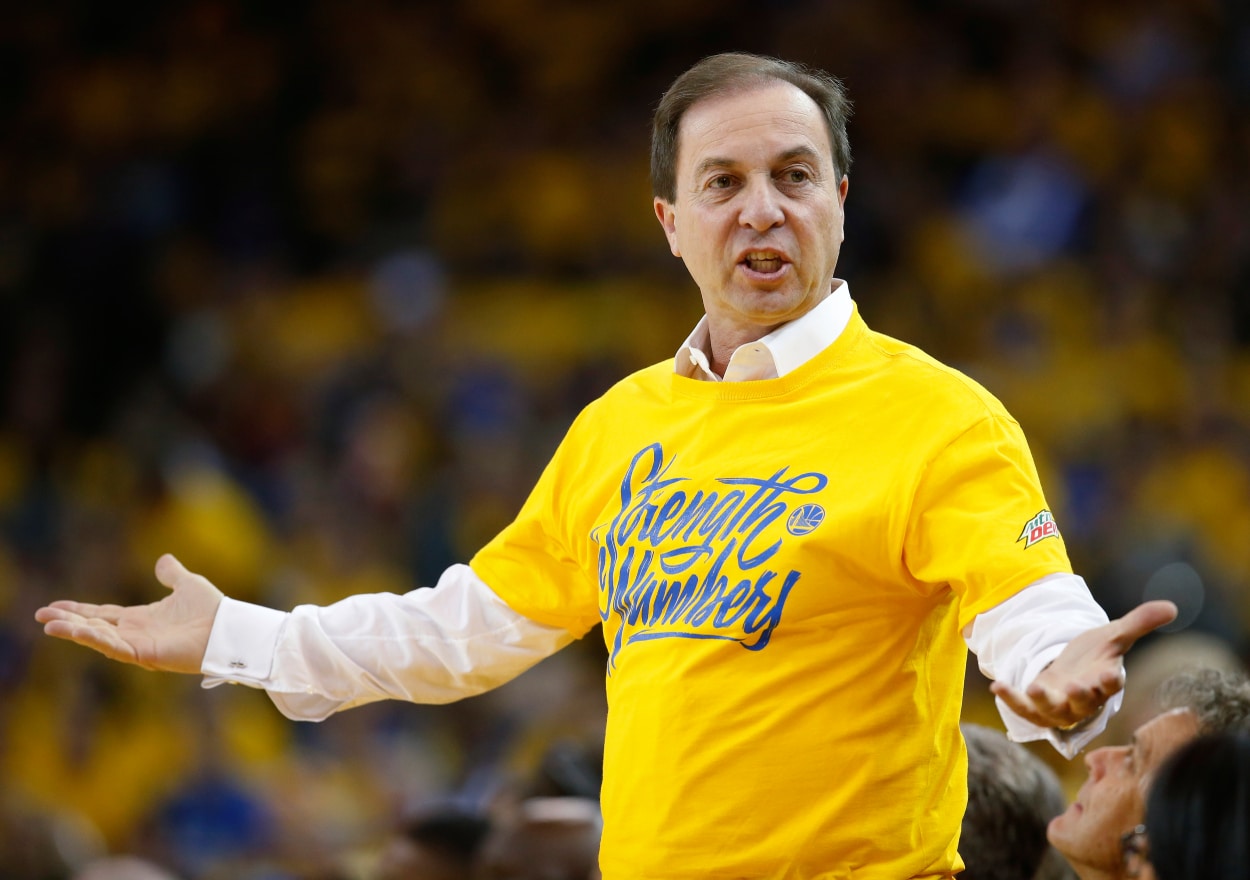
column 1012, row 796
column 787, row 534
column 120, row 868
column 1198, row 811
column 1111, row 803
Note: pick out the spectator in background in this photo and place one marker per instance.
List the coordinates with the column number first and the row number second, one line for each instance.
column 1198, row 813
column 1012, row 796
column 1153, row 664
column 435, row 844
column 122, row 868
column 543, row 839
column 1112, row 801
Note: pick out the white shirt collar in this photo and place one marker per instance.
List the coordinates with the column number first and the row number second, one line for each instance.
column 788, row 347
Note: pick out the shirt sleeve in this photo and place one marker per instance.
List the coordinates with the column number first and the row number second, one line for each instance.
column 1016, row 639
column 427, row 646
column 969, row 525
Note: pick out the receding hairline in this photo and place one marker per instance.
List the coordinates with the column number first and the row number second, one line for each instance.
column 755, row 83
column 1149, row 751
column 732, row 73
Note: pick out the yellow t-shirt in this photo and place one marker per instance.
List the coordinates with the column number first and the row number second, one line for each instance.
column 782, row 569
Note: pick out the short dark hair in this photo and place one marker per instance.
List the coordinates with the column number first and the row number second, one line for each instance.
column 1219, row 699
column 731, row 72
column 1012, row 796
column 1198, row 809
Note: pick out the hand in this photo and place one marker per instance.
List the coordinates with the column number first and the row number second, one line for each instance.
column 1088, row 672
column 169, row 635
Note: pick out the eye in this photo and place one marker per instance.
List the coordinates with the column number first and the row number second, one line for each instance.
column 720, row 181
column 796, row 175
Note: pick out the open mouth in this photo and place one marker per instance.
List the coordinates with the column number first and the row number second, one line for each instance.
column 763, row 262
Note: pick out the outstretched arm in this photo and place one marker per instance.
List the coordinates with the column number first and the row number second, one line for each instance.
column 169, row 635
column 427, row 646
column 1088, row 672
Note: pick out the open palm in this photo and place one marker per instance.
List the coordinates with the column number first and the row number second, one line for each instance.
column 170, row 635
column 1087, row 673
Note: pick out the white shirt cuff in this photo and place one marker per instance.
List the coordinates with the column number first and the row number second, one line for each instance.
column 1016, row 639
column 242, row 643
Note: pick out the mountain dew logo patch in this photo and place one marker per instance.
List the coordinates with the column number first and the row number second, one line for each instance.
column 1039, row 528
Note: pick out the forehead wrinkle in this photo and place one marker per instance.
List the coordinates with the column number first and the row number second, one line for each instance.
column 713, row 163
column 794, row 116
column 769, row 128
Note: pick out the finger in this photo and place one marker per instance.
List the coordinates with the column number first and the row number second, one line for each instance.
column 1084, row 704
column 1111, row 682
column 1046, row 707
column 1079, row 701
column 1048, row 699
column 1018, row 703
column 94, row 634
column 55, row 610
column 1144, row 619
column 1105, row 683
column 169, row 571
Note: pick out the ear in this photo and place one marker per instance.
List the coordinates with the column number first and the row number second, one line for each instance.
column 667, row 215
column 843, row 186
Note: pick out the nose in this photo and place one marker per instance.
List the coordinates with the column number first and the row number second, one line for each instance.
column 761, row 205
column 1096, row 762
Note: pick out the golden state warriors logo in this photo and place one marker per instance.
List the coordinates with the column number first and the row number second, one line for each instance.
column 805, row 519
column 1039, row 528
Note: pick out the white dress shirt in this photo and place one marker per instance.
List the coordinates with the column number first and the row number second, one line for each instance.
column 460, row 639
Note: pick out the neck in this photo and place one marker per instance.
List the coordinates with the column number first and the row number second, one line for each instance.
column 724, row 341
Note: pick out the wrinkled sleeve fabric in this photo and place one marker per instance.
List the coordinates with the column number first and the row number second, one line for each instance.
column 964, row 528
column 1020, row 604
column 1016, row 639
column 434, row 645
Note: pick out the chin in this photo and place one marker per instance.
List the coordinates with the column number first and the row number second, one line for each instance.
column 1060, row 827
column 1050, row 828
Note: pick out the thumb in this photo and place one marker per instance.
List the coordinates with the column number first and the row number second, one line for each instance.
column 1145, row 618
column 169, row 571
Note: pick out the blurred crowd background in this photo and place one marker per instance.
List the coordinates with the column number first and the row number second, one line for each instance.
column 306, row 294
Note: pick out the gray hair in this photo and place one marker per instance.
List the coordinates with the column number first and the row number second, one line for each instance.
column 1012, row 796
column 732, row 72
column 1219, row 699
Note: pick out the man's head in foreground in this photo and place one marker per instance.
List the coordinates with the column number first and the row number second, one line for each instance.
column 1112, row 800
column 1012, row 795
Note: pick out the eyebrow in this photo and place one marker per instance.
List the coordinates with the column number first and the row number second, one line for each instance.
column 716, row 162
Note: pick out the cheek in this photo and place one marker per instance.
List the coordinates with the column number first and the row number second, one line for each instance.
column 1085, row 839
column 701, row 242
column 1106, row 818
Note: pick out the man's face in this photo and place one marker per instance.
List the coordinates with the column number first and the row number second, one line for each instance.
column 1112, row 800
column 758, row 215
